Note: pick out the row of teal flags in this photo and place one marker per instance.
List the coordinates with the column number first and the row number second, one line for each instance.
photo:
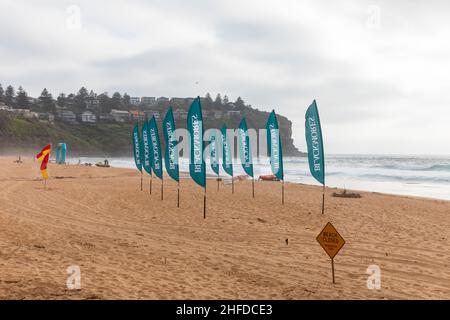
column 148, row 155
column 147, row 150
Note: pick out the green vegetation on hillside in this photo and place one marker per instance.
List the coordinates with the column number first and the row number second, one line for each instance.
column 107, row 139
column 82, row 139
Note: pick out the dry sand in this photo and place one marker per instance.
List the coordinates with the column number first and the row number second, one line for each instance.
column 131, row 245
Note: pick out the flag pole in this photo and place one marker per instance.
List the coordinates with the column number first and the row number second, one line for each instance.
column 232, row 184
column 162, row 189
column 151, row 180
column 282, row 191
column 45, row 184
column 204, row 204
column 178, row 198
column 253, row 186
column 332, row 269
column 218, row 177
column 323, row 199
column 141, row 180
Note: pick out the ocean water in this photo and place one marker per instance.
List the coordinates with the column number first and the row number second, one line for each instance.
column 423, row 176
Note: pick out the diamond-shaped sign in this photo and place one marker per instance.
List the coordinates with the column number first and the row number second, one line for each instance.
column 330, row 240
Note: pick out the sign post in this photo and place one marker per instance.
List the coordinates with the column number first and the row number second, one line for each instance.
column 332, row 242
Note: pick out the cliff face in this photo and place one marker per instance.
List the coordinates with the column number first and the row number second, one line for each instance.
column 257, row 120
column 19, row 135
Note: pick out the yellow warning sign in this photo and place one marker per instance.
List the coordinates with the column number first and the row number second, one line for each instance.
column 330, row 240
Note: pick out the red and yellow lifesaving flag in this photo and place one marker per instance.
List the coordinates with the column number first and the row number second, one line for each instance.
column 43, row 157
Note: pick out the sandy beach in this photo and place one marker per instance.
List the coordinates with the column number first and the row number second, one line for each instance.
column 131, row 245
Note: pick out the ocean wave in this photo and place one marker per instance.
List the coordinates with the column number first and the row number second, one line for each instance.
column 418, row 179
column 403, row 167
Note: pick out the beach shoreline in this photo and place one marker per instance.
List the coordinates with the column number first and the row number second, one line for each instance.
column 404, row 176
column 129, row 244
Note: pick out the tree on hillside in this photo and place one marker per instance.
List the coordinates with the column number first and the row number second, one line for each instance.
column 240, row 103
column 91, row 102
column 116, row 100
column 22, row 98
column 2, row 93
column 80, row 100
column 126, row 100
column 208, row 101
column 46, row 101
column 70, row 100
column 225, row 99
column 218, row 101
column 9, row 96
column 104, row 103
column 61, row 100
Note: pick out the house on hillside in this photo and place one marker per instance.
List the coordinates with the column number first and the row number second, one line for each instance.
column 150, row 101
column 180, row 114
column 218, row 114
column 162, row 100
column 233, row 113
column 120, row 115
column 135, row 101
column 46, row 117
column 65, row 115
column 231, row 105
column 88, row 117
column 5, row 107
column 178, row 102
column 137, row 115
column 92, row 103
column 105, row 117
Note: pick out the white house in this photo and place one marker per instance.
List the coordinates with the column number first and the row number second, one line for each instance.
column 135, row 101
column 218, row 114
column 88, row 117
column 120, row 115
column 66, row 115
column 151, row 101
column 92, row 103
column 4, row 107
column 233, row 113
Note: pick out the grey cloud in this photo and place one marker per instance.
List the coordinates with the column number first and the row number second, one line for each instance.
column 270, row 61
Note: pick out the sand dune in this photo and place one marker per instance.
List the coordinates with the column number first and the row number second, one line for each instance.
column 131, row 245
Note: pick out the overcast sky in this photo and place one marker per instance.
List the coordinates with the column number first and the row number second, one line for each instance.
column 379, row 70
